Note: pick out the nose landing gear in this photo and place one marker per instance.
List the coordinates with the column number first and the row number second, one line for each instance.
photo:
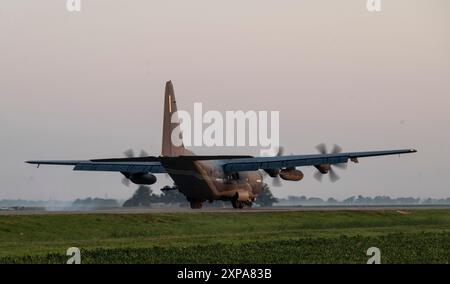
column 196, row 204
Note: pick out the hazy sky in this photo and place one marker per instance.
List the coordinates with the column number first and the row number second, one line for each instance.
column 90, row 85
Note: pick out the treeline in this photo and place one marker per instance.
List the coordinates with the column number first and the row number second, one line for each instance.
column 144, row 197
column 34, row 203
column 361, row 200
column 170, row 196
column 95, row 203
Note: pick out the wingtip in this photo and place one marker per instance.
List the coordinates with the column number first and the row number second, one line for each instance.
column 413, row 151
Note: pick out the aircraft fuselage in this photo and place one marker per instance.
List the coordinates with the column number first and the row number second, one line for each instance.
column 203, row 181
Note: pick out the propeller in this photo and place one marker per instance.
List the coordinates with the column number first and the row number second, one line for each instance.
column 276, row 181
column 274, row 174
column 328, row 168
column 130, row 154
column 126, row 182
column 322, row 148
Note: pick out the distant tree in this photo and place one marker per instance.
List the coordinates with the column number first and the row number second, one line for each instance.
column 349, row 200
column 315, row 201
column 332, row 201
column 142, row 197
column 433, row 201
column 383, row 200
column 266, row 198
column 297, row 199
column 171, row 195
column 93, row 203
column 407, row 200
column 303, row 199
column 363, row 200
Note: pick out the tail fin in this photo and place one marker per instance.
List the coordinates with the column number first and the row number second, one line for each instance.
column 170, row 108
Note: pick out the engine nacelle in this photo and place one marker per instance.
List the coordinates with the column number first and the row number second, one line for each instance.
column 143, row 178
column 291, row 174
column 242, row 196
column 324, row 169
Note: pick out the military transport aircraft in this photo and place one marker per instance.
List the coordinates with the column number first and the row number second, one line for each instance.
column 238, row 179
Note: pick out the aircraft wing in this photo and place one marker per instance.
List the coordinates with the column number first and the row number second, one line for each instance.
column 149, row 164
column 112, row 165
column 229, row 163
column 279, row 162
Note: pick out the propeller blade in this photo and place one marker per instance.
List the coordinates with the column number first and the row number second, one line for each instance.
column 129, row 153
column 318, row 176
column 280, row 151
column 333, row 176
column 336, row 149
column 341, row 166
column 322, row 148
column 143, row 154
column 126, row 181
column 276, row 182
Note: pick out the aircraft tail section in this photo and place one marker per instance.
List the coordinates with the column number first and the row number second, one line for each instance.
column 170, row 109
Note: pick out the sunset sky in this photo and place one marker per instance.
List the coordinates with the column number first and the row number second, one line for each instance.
column 90, row 85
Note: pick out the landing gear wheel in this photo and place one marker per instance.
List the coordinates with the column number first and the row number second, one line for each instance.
column 195, row 204
column 237, row 204
column 241, row 204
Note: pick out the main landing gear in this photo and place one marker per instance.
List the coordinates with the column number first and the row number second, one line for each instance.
column 241, row 204
column 197, row 204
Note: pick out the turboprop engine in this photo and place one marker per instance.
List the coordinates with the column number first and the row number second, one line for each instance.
column 139, row 178
column 143, row 178
column 291, row 174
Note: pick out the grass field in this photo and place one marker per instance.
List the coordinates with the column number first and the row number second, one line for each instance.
column 416, row 236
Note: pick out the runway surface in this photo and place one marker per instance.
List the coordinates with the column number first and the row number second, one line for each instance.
column 400, row 208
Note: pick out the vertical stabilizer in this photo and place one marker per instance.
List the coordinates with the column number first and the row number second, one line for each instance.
column 170, row 108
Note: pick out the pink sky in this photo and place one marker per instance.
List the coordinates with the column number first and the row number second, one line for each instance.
column 90, row 84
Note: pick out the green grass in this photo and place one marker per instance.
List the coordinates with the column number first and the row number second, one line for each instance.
column 282, row 237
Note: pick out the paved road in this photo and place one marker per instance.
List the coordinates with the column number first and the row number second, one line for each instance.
column 399, row 208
